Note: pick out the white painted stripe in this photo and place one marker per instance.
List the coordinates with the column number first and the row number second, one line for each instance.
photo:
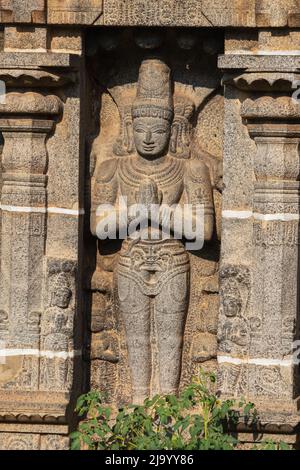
column 265, row 53
column 282, row 217
column 237, row 214
column 62, row 210
column 255, row 361
column 42, row 210
column 7, row 208
column 36, row 352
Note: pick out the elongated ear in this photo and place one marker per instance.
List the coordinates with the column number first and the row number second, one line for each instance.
column 124, row 144
column 174, row 138
column 180, row 138
column 181, row 129
column 129, row 143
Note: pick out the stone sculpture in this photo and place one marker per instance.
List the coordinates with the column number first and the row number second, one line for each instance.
column 57, row 336
column 81, row 126
column 152, row 274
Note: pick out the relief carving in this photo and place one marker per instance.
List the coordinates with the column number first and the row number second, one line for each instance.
column 269, row 381
column 233, row 380
column 182, row 13
column 19, row 441
column 234, row 329
column 57, row 329
column 74, row 11
column 54, row 442
column 150, row 278
column 4, row 323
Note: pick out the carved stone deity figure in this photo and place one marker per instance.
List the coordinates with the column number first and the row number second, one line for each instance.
column 153, row 272
column 56, row 335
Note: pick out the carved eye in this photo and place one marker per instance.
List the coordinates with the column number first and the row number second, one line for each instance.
column 139, row 130
column 159, row 131
column 137, row 257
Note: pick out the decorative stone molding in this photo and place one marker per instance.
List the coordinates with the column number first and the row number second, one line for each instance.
column 30, row 78
column 262, row 81
column 270, row 62
column 179, row 13
column 85, row 12
column 282, row 108
column 277, row 14
column 244, row 13
column 38, row 60
column 26, row 121
column 40, row 349
column 31, row 103
column 34, row 407
column 22, row 11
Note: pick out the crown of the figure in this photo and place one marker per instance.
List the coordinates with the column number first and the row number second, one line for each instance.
column 154, row 94
column 62, row 283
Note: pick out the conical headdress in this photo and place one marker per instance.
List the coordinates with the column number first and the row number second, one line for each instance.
column 62, row 282
column 154, row 94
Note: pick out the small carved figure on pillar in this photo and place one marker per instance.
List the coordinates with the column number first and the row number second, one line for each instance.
column 56, row 336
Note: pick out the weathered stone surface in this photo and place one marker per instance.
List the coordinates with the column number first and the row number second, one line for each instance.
column 93, row 107
column 22, row 11
column 264, row 63
column 54, row 442
column 22, row 405
column 179, row 13
column 26, row 103
column 255, row 348
column 33, row 441
column 39, row 59
column 243, row 13
column 262, row 41
column 150, row 308
column 274, row 108
column 66, row 40
column 15, row 441
column 28, row 39
column 74, row 12
column 38, row 330
column 279, row 14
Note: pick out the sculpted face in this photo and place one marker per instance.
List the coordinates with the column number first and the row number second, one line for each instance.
column 232, row 306
column 151, row 136
column 61, row 298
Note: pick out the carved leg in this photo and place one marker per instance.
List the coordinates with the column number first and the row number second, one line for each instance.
column 170, row 314
column 134, row 307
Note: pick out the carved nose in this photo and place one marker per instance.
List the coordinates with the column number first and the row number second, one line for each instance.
column 148, row 137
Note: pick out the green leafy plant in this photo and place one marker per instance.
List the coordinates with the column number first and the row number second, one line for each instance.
column 195, row 420
column 270, row 445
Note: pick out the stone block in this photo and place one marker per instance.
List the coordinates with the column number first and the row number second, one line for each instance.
column 29, row 38
column 82, row 12
column 178, row 13
column 22, row 11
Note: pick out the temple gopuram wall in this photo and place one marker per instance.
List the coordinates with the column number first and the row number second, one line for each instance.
column 163, row 102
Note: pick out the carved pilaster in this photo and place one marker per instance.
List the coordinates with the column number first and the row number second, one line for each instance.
column 26, row 121
column 39, row 242
column 259, row 273
column 274, row 124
